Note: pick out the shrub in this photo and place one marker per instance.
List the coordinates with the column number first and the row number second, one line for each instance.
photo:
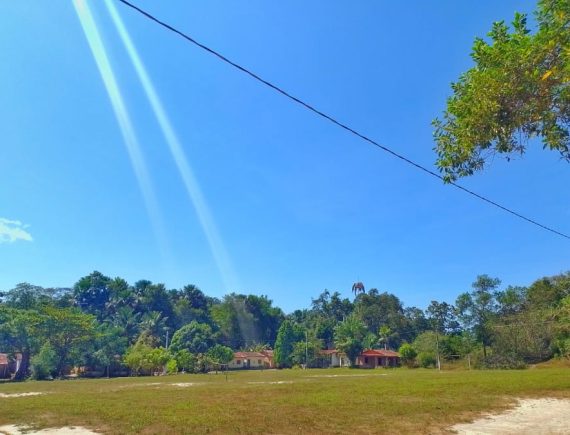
column 497, row 361
column 426, row 360
column 44, row 364
column 408, row 354
column 186, row 361
column 171, row 367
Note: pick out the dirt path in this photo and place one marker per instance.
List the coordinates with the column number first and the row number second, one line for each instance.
column 531, row 416
column 20, row 430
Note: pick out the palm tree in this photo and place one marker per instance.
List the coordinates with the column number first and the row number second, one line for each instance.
column 358, row 287
column 384, row 335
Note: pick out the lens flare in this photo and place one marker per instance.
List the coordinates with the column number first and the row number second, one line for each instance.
column 193, row 190
column 131, row 142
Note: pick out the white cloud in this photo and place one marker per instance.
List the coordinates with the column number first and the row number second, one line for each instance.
column 11, row 231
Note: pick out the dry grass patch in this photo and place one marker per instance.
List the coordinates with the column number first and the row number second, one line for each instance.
column 287, row 401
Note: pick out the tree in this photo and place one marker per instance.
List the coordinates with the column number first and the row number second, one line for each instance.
column 477, row 308
column 185, row 360
column 92, row 293
column 512, row 300
column 20, row 332
column 246, row 320
column 28, row 297
column 384, row 335
column 44, row 363
column 68, row 331
column 442, row 317
column 136, row 358
column 349, row 337
column 517, row 90
column 381, row 309
column 110, row 342
column 407, row 354
column 220, row 354
column 306, row 350
column 284, row 344
column 194, row 337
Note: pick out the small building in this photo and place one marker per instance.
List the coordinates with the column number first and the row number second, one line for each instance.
column 252, row 360
column 269, row 355
column 333, row 358
column 4, row 366
column 372, row 358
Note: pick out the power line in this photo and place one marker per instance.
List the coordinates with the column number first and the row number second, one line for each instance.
column 335, row 121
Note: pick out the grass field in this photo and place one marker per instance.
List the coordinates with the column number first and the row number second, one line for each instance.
column 287, row 401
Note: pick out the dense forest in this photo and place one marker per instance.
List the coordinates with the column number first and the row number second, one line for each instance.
column 108, row 327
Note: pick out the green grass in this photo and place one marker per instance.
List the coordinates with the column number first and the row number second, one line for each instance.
column 355, row 401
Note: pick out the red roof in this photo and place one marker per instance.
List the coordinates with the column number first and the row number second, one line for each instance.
column 380, row 352
column 240, row 355
column 3, row 359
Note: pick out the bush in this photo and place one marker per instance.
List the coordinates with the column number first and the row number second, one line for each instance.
column 497, row 361
column 408, row 354
column 44, row 364
column 171, row 367
column 426, row 360
column 186, row 361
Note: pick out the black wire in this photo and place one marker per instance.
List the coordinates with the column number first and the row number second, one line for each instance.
column 334, row 121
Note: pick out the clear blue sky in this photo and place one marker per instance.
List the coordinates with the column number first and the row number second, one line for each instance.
column 292, row 204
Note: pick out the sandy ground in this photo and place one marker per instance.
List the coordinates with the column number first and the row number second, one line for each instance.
column 8, row 396
column 19, row 430
column 530, row 416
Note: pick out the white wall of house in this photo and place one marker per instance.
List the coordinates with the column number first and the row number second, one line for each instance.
column 245, row 363
column 339, row 360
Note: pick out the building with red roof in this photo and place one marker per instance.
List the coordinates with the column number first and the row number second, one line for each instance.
column 372, row 358
column 252, row 360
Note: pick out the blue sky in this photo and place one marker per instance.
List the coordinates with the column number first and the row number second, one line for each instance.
column 288, row 204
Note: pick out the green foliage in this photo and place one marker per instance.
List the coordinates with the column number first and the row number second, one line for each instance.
column 517, row 324
column 172, row 367
column 500, row 361
column 349, row 337
column 306, row 351
column 186, row 361
column 194, row 337
column 220, row 354
column 92, row 293
column 426, row 360
column 477, row 309
column 69, row 332
column 109, row 344
column 44, row 364
column 20, row 332
column 517, row 90
column 143, row 359
column 247, row 320
column 286, row 338
column 408, row 354
column 561, row 345
column 378, row 310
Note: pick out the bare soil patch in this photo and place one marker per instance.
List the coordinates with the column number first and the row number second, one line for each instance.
column 21, row 430
column 530, row 416
column 9, row 396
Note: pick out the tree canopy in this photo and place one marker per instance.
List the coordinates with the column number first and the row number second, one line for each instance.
column 518, row 89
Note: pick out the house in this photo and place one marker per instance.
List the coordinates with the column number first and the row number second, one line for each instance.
column 333, row 358
column 269, row 355
column 4, row 366
column 252, row 360
column 372, row 358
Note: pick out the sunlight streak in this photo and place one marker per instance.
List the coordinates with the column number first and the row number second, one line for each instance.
column 193, row 190
column 131, row 142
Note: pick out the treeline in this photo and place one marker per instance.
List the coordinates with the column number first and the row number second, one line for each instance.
column 109, row 327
